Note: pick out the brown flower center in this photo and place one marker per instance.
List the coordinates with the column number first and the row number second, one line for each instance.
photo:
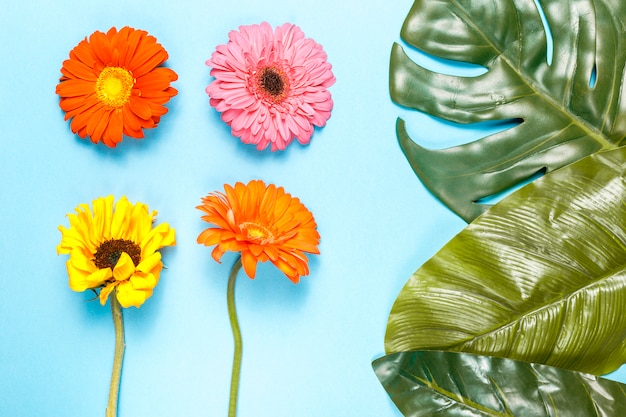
column 272, row 83
column 257, row 233
column 113, row 86
column 109, row 252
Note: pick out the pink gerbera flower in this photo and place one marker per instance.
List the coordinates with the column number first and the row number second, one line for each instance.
column 271, row 85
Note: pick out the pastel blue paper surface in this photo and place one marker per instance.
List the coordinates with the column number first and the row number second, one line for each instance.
column 307, row 347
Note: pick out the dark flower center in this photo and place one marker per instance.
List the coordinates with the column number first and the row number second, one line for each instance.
column 272, row 81
column 109, row 252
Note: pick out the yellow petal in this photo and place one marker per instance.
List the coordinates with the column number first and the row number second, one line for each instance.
column 150, row 263
column 143, row 281
column 128, row 296
column 82, row 262
column 102, row 210
column 77, row 278
column 124, row 268
column 162, row 235
column 120, row 220
column 104, row 292
column 141, row 222
column 80, row 282
column 64, row 247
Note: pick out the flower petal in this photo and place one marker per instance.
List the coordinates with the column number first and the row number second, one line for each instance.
column 106, row 291
column 80, row 282
column 151, row 263
column 128, row 296
column 143, row 281
column 124, row 268
column 249, row 262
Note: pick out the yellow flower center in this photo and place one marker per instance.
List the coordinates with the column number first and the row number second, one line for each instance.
column 257, row 233
column 113, row 86
column 109, row 252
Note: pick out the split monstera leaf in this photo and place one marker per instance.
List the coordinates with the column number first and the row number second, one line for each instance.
column 566, row 109
column 539, row 277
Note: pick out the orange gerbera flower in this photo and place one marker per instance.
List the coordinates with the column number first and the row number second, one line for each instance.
column 113, row 84
column 263, row 223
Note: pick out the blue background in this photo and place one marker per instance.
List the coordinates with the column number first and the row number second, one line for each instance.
column 308, row 347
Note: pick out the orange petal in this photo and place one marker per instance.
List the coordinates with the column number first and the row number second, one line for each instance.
column 217, row 253
column 75, row 88
column 113, row 134
column 101, row 47
column 139, row 107
column 80, row 70
column 249, row 263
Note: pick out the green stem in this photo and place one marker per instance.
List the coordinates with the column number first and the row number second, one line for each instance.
column 234, row 323
column 118, row 356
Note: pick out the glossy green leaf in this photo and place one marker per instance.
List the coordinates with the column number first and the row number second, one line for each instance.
column 540, row 277
column 446, row 384
column 567, row 109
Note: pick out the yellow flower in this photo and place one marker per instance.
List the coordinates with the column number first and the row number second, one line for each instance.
column 115, row 248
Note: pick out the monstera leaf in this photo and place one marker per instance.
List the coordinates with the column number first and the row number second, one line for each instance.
column 568, row 105
column 540, row 277
column 446, row 384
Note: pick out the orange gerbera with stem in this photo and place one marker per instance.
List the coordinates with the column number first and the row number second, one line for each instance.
column 263, row 223
column 113, row 84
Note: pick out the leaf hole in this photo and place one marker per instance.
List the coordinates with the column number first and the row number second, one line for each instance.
column 546, row 27
column 442, row 65
column 594, row 77
column 435, row 133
